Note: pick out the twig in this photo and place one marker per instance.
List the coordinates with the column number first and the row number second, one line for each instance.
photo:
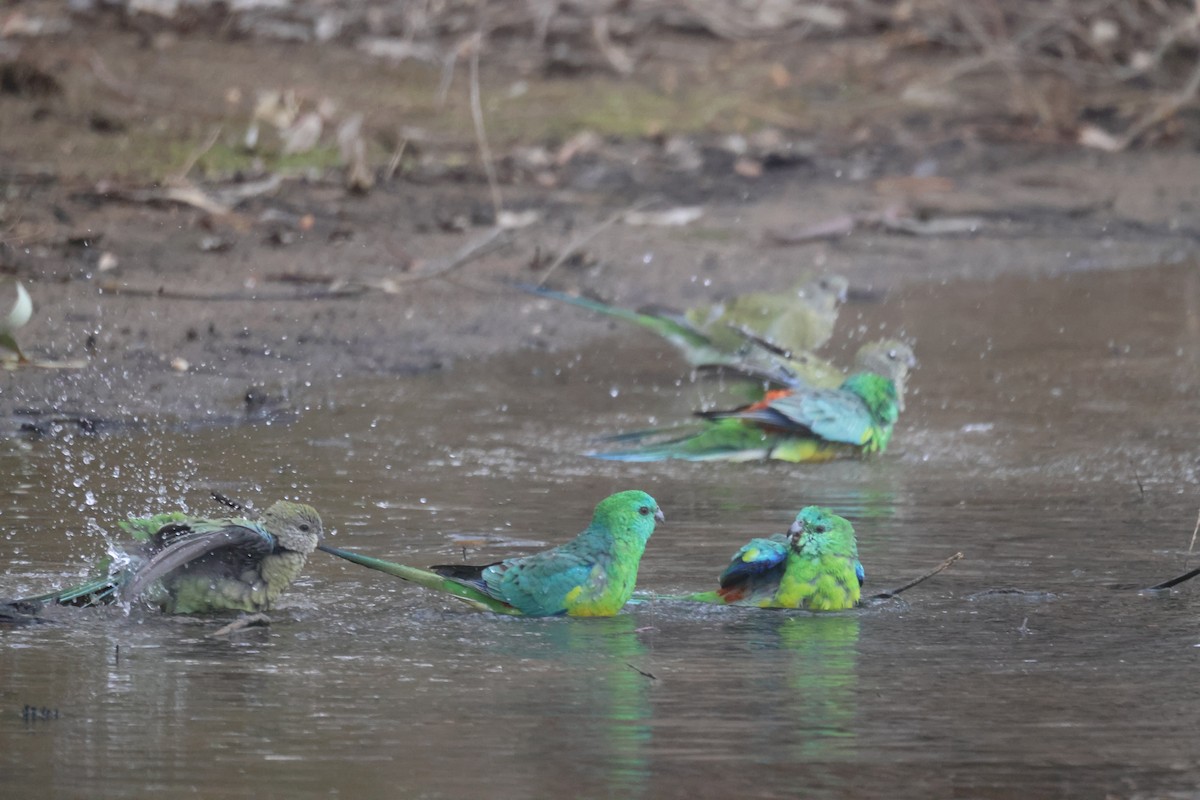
column 394, row 162
column 643, row 673
column 494, row 238
column 197, row 154
column 241, row 623
column 485, row 152
column 105, row 76
column 588, row 235
column 1192, row 544
column 889, row 594
column 1138, row 480
column 1163, row 110
column 270, row 297
column 485, row 244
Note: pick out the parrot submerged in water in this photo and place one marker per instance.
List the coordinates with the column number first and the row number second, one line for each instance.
column 592, row 575
column 188, row 565
column 815, row 567
column 786, row 425
column 801, row 319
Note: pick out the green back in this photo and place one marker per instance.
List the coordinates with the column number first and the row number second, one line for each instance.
column 592, row 575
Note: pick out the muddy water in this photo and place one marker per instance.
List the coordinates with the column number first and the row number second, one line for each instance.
column 1052, row 438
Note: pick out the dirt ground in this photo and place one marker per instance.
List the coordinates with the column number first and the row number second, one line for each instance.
column 206, row 284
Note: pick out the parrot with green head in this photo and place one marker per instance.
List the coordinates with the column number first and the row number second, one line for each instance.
column 815, row 567
column 785, row 425
column 801, row 319
column 592, row 575
column 189, row 565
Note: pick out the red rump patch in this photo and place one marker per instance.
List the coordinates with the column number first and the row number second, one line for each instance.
column 732, row 594
column 768, row 398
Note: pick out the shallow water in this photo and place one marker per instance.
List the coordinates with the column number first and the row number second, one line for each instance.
column 1051, row 438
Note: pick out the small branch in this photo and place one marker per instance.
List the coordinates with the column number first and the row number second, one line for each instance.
column 485, row 152
column 643, row 673
column 1164, row 110
column 220, row 297
column 471, row 251
column 485, row 244
column 197, row 154
column 888, row 595
column 394, row 162
column 1192, row 544
column 1138, row 480
column 585, row 237
column 241, row 623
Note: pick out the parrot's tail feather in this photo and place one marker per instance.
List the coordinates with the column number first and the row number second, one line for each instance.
column 470, row 573
column 684, row 450
column 423, row 577
column 671, row 325
column 102, row 591
column 678, row 433
column 588, row 303
column 630, row 456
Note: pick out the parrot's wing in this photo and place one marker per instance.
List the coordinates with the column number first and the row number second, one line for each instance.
column 756, row 558
column 832, row 414
column 545, row 583
column 183, row 544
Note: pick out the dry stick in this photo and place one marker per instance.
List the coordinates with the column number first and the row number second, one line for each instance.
column 585, row 237
column 197, row 154
column 112, row 82
column 394, row 161
column 485, row 152
column 1185, row 576
column 485, row 244
column 241, row 623
column 272, row 297
column 889, row 594
column 1192, row 544
column 471, row 251
column 1165, row 109
column 642, row 672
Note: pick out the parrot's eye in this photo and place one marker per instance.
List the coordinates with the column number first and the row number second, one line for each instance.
column 644, row 510
column 304, row 527
column 892, row 354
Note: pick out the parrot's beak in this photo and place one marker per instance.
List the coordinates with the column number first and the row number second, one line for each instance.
column 658, row 515
column 796, row 529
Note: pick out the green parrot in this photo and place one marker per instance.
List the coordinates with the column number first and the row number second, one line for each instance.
column 786, row 425
column 778, row 369
column 21, row 312
column 592, row 575
column 815, row 566
column 801, row 319
column 188, row 565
